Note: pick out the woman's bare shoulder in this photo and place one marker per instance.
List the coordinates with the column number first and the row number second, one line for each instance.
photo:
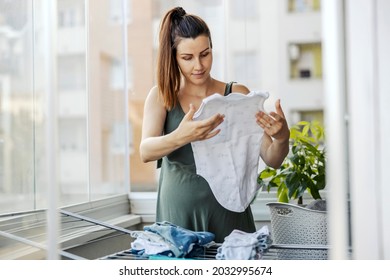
column 153, row 94
column 235, row 87
column 154, row 99
column 240, row 88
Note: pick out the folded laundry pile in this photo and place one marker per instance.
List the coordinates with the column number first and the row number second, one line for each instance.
column 167, row 239
column 239, row 245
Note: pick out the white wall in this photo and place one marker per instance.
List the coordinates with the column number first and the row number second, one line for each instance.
column 361, row 76
column 383, row 25
column 368, row 42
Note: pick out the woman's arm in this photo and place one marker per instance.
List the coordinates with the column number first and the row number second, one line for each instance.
column 154, row 145
column 275, row 144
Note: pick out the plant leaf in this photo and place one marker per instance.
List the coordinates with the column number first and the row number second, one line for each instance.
column 292, row 183
column 282, row 196
column 267, row 172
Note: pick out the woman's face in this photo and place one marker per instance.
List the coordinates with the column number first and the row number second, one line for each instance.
column 194, row 57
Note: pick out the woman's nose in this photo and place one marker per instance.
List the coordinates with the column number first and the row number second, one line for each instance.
column 198, row 63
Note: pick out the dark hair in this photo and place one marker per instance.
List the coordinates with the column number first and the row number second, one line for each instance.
column 176, row 25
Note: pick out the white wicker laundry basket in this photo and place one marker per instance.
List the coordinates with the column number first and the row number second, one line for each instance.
column 301, row 228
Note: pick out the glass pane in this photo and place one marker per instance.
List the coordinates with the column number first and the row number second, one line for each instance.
column 86, row 101
column 72, row 113
column 143, row 40
column 108, row 123
column 91, row 114
column 16, row 107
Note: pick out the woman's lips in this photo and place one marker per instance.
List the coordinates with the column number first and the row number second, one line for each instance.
column 198, row 75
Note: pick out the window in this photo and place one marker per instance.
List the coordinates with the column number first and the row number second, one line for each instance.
column 116, row 11
column 88, row 113
column 71, row 72
column 246, row 70
column 97, row 121
column 309, row 116
column 301, row 6
column 16, row 110
column 70, row 13
column 244, row 9
column 305, row 60
column 96, row 135
column 116, row 74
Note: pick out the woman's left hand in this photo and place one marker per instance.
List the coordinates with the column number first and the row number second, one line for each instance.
column 274, row 124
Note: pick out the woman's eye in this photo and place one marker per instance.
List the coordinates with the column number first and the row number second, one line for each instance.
column 187, row 58
column 205, row 54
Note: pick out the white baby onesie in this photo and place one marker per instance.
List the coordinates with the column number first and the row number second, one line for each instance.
column 229, row 161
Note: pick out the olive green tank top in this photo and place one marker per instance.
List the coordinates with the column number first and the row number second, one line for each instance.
column 185, row 198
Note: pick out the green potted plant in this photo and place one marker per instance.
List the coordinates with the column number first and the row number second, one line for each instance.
column 303, row 169
column 297, row 228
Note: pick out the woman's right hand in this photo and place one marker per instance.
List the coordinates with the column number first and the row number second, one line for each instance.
column 192, row 130
column 155, row 145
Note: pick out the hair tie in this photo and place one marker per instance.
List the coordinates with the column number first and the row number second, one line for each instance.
column 178, row 13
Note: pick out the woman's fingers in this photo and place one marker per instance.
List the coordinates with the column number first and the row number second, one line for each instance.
column 279, row 109
column 190, row 113
column 207, row 127
column 213, row 121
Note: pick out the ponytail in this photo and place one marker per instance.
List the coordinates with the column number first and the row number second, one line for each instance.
column 176, row 25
